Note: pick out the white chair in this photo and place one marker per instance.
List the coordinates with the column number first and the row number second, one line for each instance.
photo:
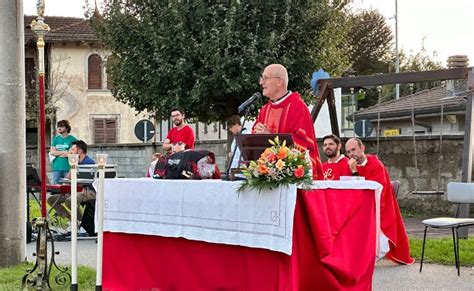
column 458, row 193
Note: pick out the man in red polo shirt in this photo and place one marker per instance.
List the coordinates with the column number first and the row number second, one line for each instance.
column 391, row 223
column 336, row 165
column 181, row 133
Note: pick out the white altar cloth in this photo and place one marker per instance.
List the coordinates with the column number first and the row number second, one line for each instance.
column 205, row 210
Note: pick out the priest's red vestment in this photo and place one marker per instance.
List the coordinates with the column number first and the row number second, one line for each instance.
column 292, row 116
column 391, row 221
column 334, row 170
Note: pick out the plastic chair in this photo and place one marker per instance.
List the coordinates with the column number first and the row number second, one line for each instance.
column 457, row 193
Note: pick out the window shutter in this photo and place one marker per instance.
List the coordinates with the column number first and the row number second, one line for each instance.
column 110, row 131
column 105, row 130
column 94, row 72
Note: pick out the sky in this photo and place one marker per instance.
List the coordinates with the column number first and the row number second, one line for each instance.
column 443, row 27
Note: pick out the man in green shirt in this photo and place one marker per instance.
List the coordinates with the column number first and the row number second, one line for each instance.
column 59, row 149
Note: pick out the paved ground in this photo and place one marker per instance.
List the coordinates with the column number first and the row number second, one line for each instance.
column 387, row 276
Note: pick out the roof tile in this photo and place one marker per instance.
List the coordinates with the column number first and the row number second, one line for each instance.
column 62, row 29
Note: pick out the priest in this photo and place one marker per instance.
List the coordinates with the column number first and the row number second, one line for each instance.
column 286, row 112
column 391, row 223
column 336, row 165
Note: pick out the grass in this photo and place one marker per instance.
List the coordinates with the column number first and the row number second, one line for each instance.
column 441, row 251
column 35, row 211
column 10, row 278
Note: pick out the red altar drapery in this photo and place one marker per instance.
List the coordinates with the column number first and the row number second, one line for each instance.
column 334, row 242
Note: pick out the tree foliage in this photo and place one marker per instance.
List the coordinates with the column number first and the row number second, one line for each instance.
column 206, row 56
column 371, row 42
column 373, row 52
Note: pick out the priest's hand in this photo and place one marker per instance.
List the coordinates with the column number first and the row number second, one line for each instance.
column 352, row 165
column 261, row 128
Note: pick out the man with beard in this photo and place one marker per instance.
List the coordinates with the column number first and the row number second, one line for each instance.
column 336, row 165
column 393, row 237
column 181, row 133
column 286, row 112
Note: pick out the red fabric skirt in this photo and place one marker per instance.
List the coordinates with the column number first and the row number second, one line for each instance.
column 334, row 244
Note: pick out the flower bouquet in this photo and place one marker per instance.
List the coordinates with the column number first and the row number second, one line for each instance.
column 278, row 165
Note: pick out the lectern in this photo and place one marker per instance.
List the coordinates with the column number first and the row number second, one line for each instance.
column 253, row 145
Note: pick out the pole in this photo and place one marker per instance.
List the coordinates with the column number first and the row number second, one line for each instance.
column 12, row 130
column 40, row 29
column 397, row 59
column 73, row 162
column 101, row 161
column 467, row 157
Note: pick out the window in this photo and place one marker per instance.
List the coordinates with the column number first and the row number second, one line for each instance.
column 347, row 108
column 94, row 72
column 105, row 130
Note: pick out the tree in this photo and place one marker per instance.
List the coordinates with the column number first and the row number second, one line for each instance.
column 416, row 62
column 373, row 53
column 371, row 42
column 206, row 56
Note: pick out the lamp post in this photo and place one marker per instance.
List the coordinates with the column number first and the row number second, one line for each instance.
column 397, row 59
column 40, row 29
column 43, row 266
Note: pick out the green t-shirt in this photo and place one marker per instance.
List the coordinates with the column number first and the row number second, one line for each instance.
column 62, row 144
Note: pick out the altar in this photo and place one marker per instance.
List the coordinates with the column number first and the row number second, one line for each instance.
column 204, row 235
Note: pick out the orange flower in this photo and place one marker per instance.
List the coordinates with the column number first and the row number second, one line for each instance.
column 299, row 172
column 282, row 153
column 262, row 169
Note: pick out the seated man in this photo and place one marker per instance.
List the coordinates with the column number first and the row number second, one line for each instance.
column 180, row 133
column 391, row 223
column 57, row 200
column 336, row 165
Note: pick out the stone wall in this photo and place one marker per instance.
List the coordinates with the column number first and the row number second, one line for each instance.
column 423, row 184
column 432, row 172
column 132, row 160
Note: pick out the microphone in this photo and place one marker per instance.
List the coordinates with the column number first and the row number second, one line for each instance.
column 249, row 102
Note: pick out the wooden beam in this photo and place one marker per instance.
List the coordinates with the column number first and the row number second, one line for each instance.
column 400, row 78
column 333, row 113
column 467, row 150
column 323, row 93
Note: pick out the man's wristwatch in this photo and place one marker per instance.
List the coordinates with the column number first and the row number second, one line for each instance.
column 355, row 173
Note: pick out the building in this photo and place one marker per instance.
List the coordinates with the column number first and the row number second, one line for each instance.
column 427, row 108
column 77, row 88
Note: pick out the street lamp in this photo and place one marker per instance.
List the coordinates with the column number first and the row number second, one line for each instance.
column 40, row 29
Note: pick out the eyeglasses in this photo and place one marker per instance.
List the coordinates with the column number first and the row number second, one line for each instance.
column 265, row 78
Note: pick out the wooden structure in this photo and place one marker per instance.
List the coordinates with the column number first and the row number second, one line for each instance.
column 326, row 87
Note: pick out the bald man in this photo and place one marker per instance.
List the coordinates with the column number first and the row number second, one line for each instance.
column 391, row 223
column 286, row 112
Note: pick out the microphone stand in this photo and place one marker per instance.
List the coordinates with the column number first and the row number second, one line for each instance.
column 226, row 176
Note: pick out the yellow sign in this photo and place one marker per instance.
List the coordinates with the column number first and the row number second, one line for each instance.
column 391, row 132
